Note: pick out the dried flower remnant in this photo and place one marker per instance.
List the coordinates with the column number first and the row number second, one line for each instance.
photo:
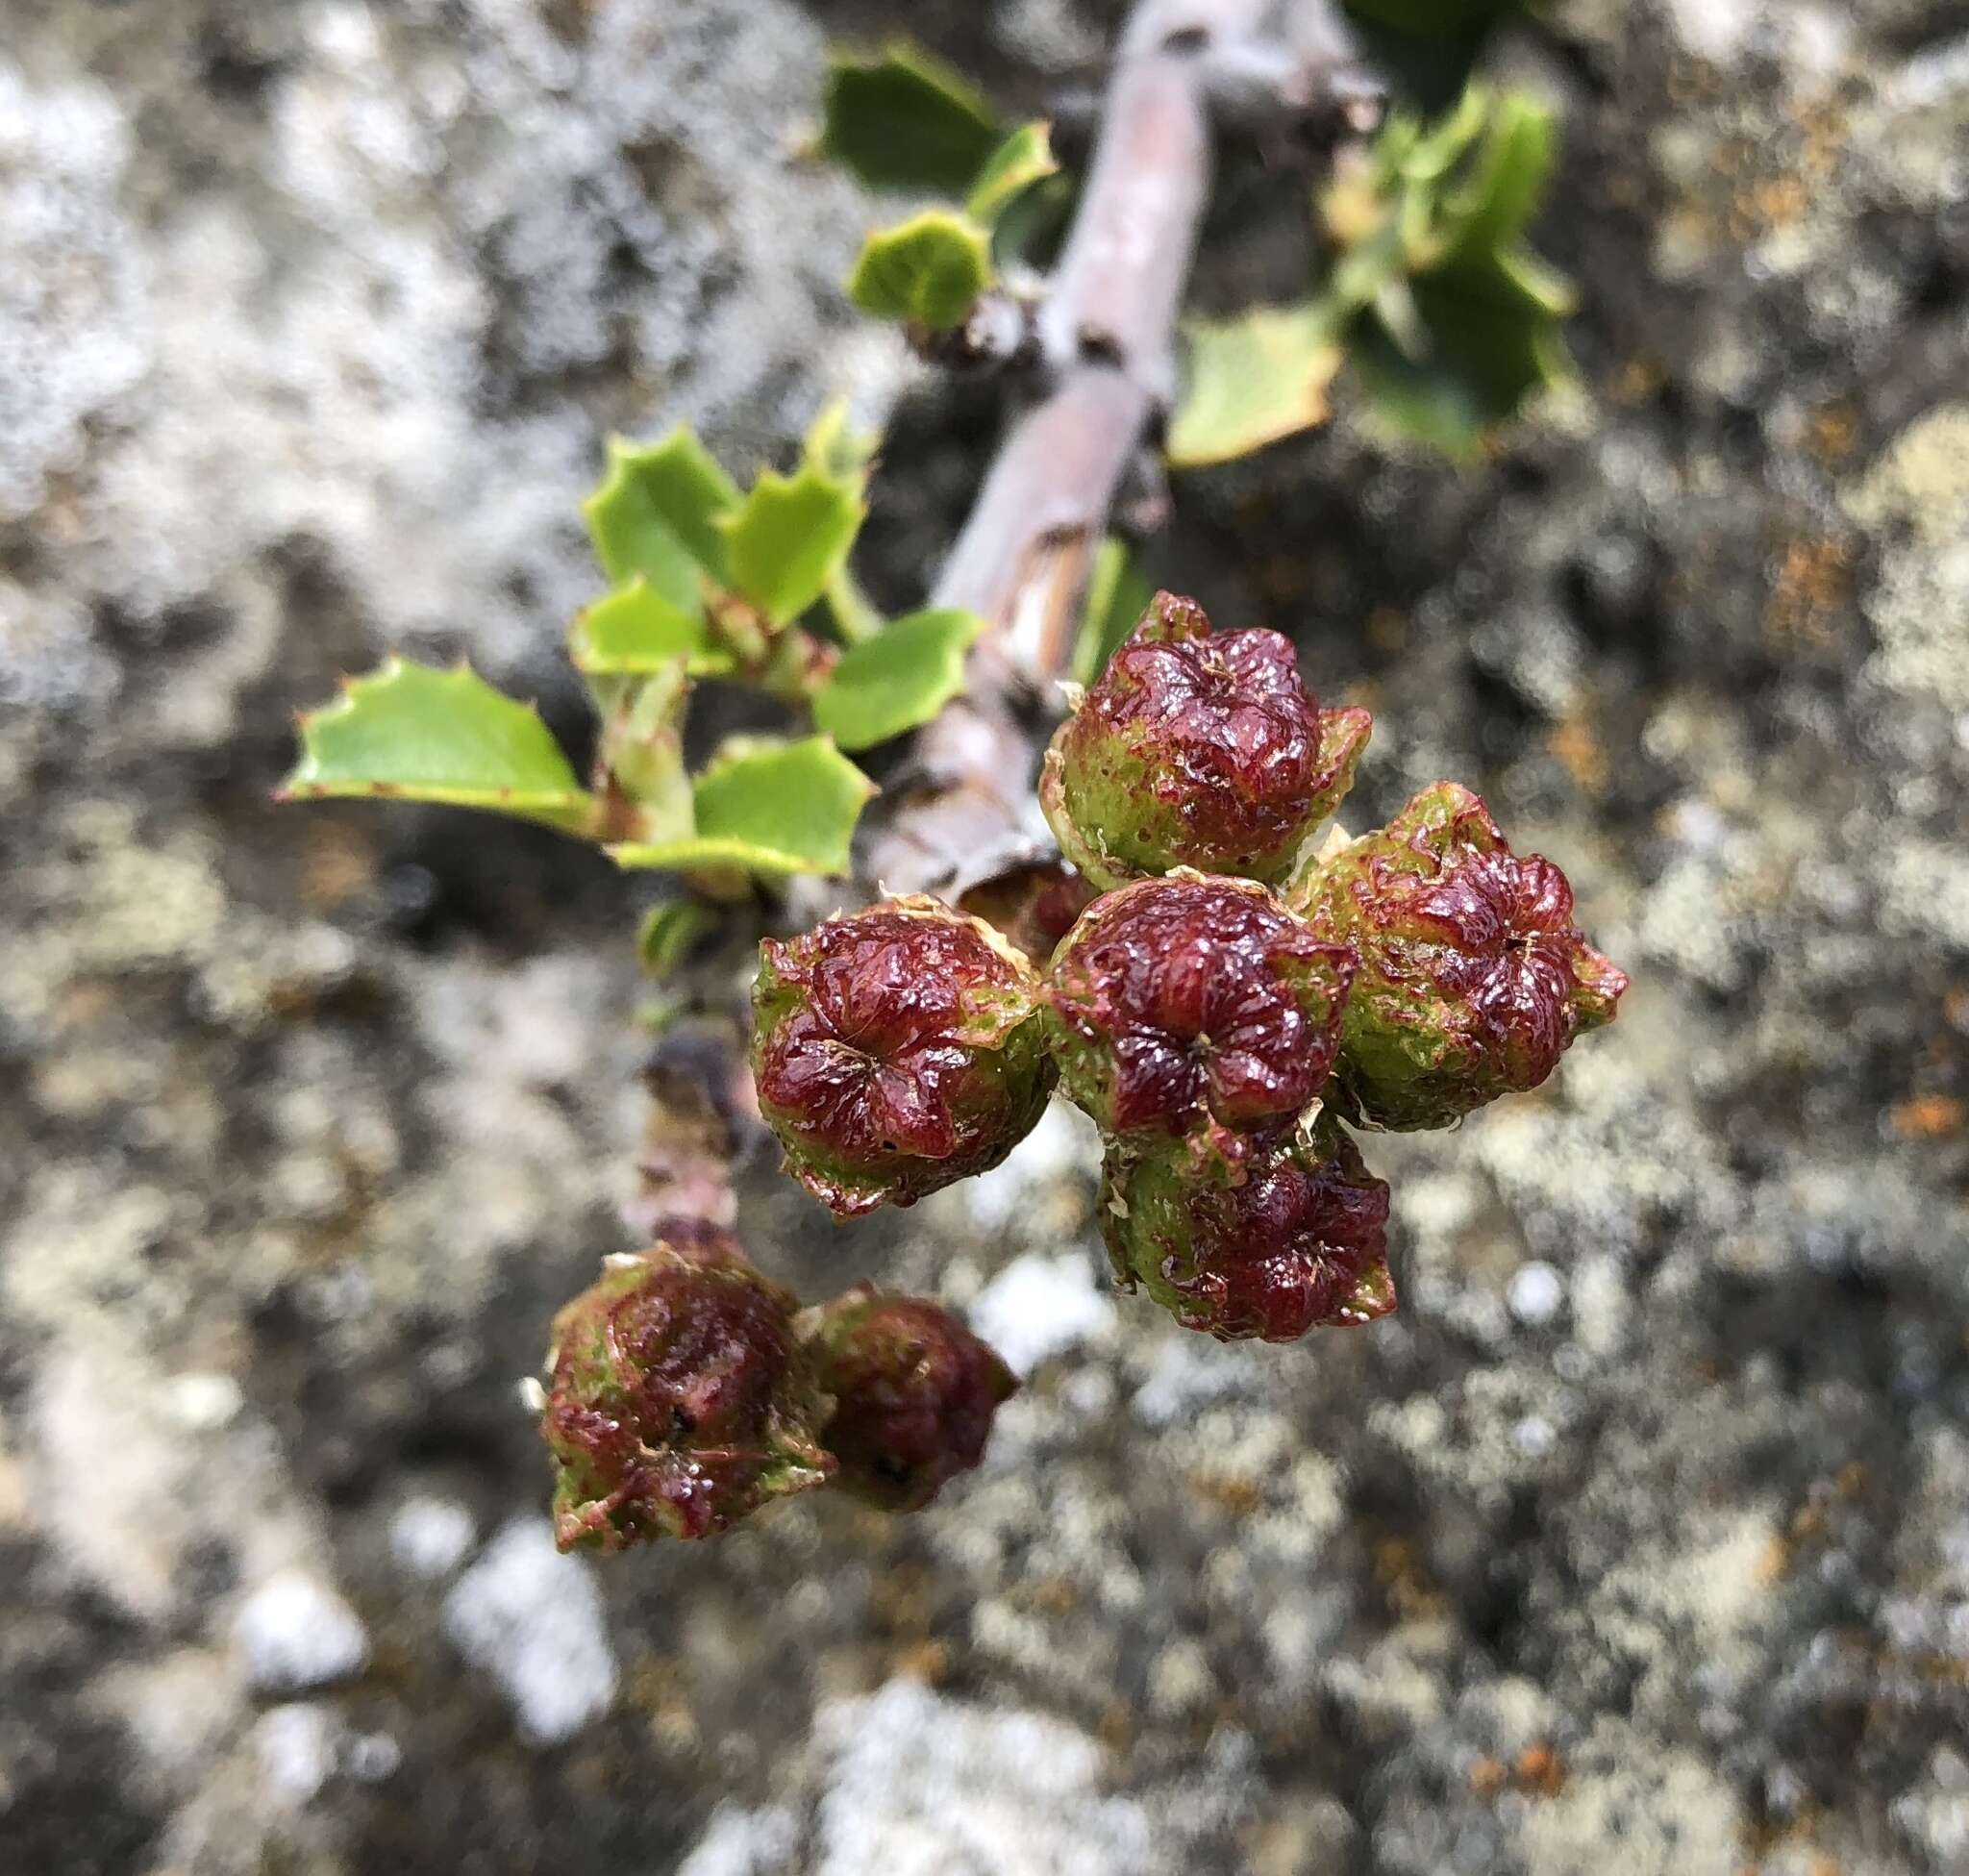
column 914, row 1394
column 897, row 1050
column 679, row 1399
column 1197, row 749
column 1300, row 1243
column 1196, row 1008
column 1473, row 979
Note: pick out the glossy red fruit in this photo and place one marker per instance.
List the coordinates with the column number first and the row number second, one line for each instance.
column 1197, row 749
column 679, row 1399
column 1195, row 1009
column 914, row 1394
column 896, row 1050
column 1473, row 979
column 1300, row 1243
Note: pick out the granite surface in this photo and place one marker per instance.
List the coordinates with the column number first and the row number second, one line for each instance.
column 1638, row 1541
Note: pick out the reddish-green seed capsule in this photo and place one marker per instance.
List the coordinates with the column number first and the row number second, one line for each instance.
column 1197, row 749
column 914, row 1392
column 1195, row 1009
column 896, row 1050
column 1298, row 1242
column 1473, row 978
column 679, row 1399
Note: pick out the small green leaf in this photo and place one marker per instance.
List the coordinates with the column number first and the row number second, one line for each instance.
column 905, row 121
column 408, row 732
column 671, row 931
column 790, row 536
column 897, row 680
column 655, row 515
column 1451, row 319
column 929, row 269
column 1117, row 596
column 835, row 449
column 635, row 630
column 1025, row 158
column 1253, row 379
column 1490, row 344
column 767, row 807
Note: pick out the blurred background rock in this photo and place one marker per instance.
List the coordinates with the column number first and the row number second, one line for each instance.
column 1639, row 1540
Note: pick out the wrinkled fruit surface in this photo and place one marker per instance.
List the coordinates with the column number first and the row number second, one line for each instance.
column 1473, row 978
column 1298, row 1243
column 1197, row 749
column 1195, row 1008
column 914, row 1393
column 896, row 1050
column 678, row 1399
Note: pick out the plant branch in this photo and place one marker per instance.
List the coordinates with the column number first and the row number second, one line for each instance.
column 1107, row 341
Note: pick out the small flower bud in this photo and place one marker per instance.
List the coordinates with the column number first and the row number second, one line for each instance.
column 677, row 1397
column 1473, row 977
column 914, row 1392
column 1196, row 1008
column 1300, row 1243
column 896, row 1050
column 1196, row 750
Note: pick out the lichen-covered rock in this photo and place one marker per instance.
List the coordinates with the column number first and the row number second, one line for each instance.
column 1200, row 750
column 914, row 1392
column 1195, row 1009
column 1473, row 977
column 1298, row 1242
column 896, row 1050
column 679, row 1399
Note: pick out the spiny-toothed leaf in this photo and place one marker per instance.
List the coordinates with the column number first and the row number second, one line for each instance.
column 897, row 680
column 409, row 732
column 635, row 630
column 929, row 269
column 655, row 515
column 790, row 534
column 1117, row 596
column 1253, row 379
column 770, row 808
column 1025, row 158
column 905, row 121
column 671, row 931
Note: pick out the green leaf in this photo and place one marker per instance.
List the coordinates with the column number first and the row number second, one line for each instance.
column 1451, row 319
column 905, row 121
column 1490, row 344
column 790, row 536
column 1428, row 47
column 635, row 630
column 1117, row 596
column 1253, row 379
column 897, row 680
column 929, row 269
column 767, row 807
column 671, row 931
column 1025, row 158
column 657, row 511
column 408, row 732
column 835, row 449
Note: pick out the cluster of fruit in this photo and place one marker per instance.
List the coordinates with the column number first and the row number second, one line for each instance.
column 1222, row 997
